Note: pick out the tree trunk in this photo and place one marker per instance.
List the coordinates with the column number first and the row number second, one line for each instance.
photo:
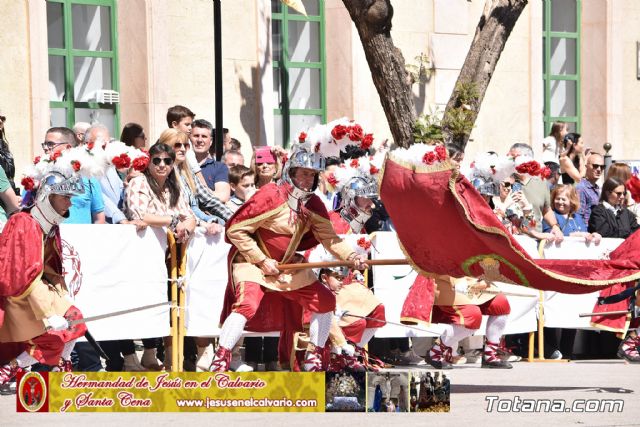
column 372, row 18
column 495, row 26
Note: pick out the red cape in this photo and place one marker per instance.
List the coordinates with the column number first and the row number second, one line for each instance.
column 275, row 312
column 20, row 254
column 446, row 227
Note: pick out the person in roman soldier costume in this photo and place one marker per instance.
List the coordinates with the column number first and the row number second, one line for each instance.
column 460, row 304
column 34, row 308
column 349, row 335
column 275, row 223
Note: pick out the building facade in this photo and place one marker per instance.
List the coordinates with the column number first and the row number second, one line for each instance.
column 117, row 61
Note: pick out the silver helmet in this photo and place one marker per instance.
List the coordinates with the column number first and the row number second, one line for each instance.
column 54, row 183
column 302, row 158
column 358, row 186
column 486, row 186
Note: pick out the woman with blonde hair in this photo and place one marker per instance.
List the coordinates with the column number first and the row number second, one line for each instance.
column 266, row 164
column 565, row 203
column 208, row 209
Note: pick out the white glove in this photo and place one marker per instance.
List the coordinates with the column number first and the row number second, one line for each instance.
column 461, row 287
column 192, row 161
column 348, row 349
column 57, row 323
column 338, row 313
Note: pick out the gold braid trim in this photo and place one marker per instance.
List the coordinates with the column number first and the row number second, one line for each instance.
column 621, row 332
column 259, row 217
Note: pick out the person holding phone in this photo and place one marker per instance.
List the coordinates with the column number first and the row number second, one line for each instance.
column 572, row 163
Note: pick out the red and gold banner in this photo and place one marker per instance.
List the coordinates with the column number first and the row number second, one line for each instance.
column 446, row 227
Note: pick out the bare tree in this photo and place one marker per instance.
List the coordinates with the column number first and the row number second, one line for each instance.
column 373, row 18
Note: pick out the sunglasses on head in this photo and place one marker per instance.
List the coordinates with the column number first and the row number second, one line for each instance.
column 179, row 145
column 595, row 166
column 168, row 161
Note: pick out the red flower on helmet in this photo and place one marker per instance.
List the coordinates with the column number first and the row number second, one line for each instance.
column 302, row 137
column 429, row 158
column 76, row 165
column 27, row 183
column 338, row 132
column 545, row 172
column 356, row 133
column 90, row 145
column 122, row 161
column 354, row 163
column 441, row 152
column 366, row 141
column 140, row 163
column 36, row 160
column 373, row 170
column 531, row 168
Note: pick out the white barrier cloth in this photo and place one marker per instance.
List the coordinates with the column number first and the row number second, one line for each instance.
column 562, row 310
column 206, row 279
column 111, row 268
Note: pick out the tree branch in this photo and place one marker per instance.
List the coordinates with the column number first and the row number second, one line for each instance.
column 372, row 19
column 493, row 30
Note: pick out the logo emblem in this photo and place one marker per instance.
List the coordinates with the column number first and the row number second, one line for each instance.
column 32, row 392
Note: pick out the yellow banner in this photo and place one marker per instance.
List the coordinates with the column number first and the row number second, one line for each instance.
column 186, row 392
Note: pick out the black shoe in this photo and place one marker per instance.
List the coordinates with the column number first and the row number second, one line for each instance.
column 496, row 364
column 442, row 364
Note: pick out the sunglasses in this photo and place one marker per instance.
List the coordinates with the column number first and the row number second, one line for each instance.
column 50, row 144
column 179, row 145
column 620, row 193
column 595, row 166
column 168, row 161
column 506, row 184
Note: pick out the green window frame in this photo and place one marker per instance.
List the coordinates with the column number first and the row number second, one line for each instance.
column 567, row 76
column 284, row 68
column 70, row 54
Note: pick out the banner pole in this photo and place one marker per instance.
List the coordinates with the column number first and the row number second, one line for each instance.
column 174, row 300
column 181, row 309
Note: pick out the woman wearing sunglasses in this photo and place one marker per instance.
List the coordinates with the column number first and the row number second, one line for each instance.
column 611, row 218
column 210, row 212
column 155, row 197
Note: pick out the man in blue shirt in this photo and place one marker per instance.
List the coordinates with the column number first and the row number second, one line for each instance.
column 588, row 189
column 87, row 208
column 215, row 173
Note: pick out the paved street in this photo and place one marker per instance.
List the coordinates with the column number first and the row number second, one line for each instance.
column 610, row 379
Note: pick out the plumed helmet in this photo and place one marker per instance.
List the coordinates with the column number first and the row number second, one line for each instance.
column 486, row 186
column 358, row 186
column 57, row 183
column 302, row 157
